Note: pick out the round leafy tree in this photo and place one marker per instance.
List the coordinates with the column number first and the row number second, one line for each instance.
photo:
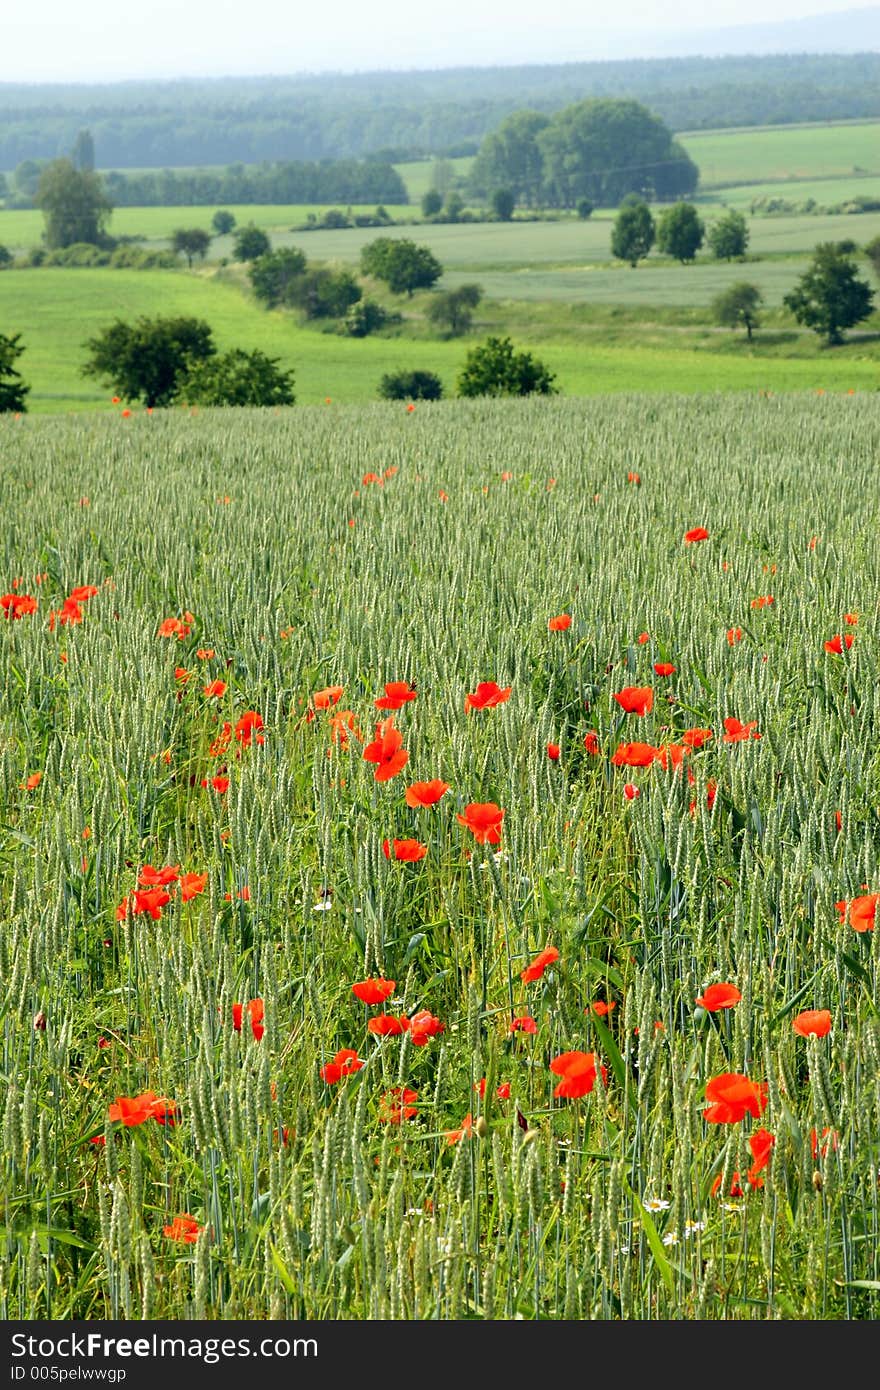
column 496, row 369
column 410, row 386
column 633, row 233
column 680, row 232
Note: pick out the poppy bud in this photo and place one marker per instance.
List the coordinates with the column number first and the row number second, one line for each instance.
column 39, row 1022
column 817, row 1181
column 480, row 1126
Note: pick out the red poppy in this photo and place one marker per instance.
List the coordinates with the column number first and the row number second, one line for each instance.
column 664, row 668
column 243, row 894
column 862, row 911
column 483, row 819
column 523, row 1024
column 735, row 1187
column 635, row 699
column 150, row 900
column 426, row 793
column 345, row 1063
column 136, row 1110
column 539, row 964
column 560, row 624
column 331, row 695
column 422, row 1026
column 374, row 990
column 812, row 1021
column 734, row 635
column 635, row 755
column 219, row 784
column 734, row 1096
column 343, row 723
column 215, row 688
column 502, row 1091
column 643, row 637
column 397, row 1105
column 205, row 653
column 68, row 615
column 633, row 478
column 851, row 618
column 764, row 601
column 256, row 1013
column 32, row 782
column 181, row 674
column 454, row 1136
column 397, row 694
column 388, row 1025
column 695, row 738
column 631, row 791
column 369, row 478
column 247, row 728
column 158, row 878
column 719, row 997
column 17, row 605
column 830, row 1135
column 591, row 743
column 696, row 533
column 836, row 644
column 553, row 751
column 184, row 1228
column 578, row 1071
column 407, row 851
column 82, row 593
column 220, row 744
column 191, row 885
column 387, row 751
column 737, row 732
column 487, row 695
column 761, row 1144
column 603, row 1007
column 672, row 755
column 173, row 627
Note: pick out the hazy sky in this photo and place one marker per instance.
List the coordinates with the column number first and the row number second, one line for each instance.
column 87, row 40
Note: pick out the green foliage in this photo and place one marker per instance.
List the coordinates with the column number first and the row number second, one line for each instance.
column 583, row 208
column 146, row 360
column 502, row 203
column 432, row 202
column 6, row 257
column 511, row 157
column 603, row 149
column 223, row 222
column 738, row 307
column 335, row 219
column 272, row 274
column 192, row 242
column 74, row 204
column 872, row 251
column 453, row 311
column 410, row 386
column 633, row 233
column 366, row 317
column 249, row 243
column 82, row 156
column 236, row 378
column 496, row 369
column 680, row 232
column 323, row 294
column 12, row 389
column 402, row 264
column 453, row 207
column 829, row 297
column 79, row 253
column 729, row 236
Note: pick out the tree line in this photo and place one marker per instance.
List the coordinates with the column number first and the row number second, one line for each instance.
column 154, row 124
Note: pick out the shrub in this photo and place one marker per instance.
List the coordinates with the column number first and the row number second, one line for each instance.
column 236, row 378
column 323, row 294
column 495, row 369
column 410, row 386
column 366, row 317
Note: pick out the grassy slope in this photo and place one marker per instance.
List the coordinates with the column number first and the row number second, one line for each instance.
column 785, row 152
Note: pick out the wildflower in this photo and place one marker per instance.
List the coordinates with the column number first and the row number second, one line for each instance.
column 184, row 1228
column 643, row 637
column 388, row 1025
column 561, row 623
column 655, row 1204
column 331, row 695
column 151, row 900
column 734, row 1096
column 737, row 732
column 16, row 606
column 664, row 668
column 735, row 1190
column 602, row 1007
column 765, row 601
column 719, row 997
column 696, row 533
column 32, row 782
column 761, row 1144
column 635, row 755
column 387, row 751
column 862, row 911
column 502, row 1091
column 181, row 675
column 374, row 990
column 219, row 784
column 136, row 1110
column 191, row 885
column 486, row 696
column 454, row 1136
column 215, row 689
column 734, row 635
column 829, row 1135
column 256, row 1014
column 158, row 878
column 635, row 699
column 591, row 743
column 205, row 653
column 695, row 738
column 343, row 723
column 407, row 851
column 243, row 895
column 523, row 1024
column 345, row 1063
column 422, row 1026
column 812, row 1023
column 670, row 1238
column 539, row 964
column 836, row 644
column 426, row 793
column 483, row 819
column 397, row 1105
column 633, row 478
column 247, row 728
column 174, row 627
column 631, row 791
column 578, row 1071
column 851, row 618
column 397, row 694
column 553, row 751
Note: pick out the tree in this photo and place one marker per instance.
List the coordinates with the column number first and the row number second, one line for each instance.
column 503, row 202
column 147, row 359
column 250, row 242
column 511, row 157
column 872, row 251
column 190, row 242
column 82, row 155
column 680, row 232
column 729, row 236
column 323, row 294
column 633, row 233
column 410, row 386
column 236, row 378
column 495, row 369
column 738, row 306
column 432, row 202
column 272, row 275
column 223, row 222
column 402, row 264
column 365, row 317
column 5, row 257
column 453, row 207
column 604, row 148
column 454, row 310
column 12, row 389
column 583, row 208
column 829, row 296
column 4, row 186
column 74, row 204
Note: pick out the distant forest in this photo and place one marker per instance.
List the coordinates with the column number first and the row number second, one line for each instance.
column 395, row 115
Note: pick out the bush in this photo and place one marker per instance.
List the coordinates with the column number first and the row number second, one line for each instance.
column 432, row 202
column 146, row 360
column 503, row 201
column 335, row 217
column 410, row 386
column 223, row 222
column 139, row 258
column 583, row 208
column 5, row 257
column 729, row 236
column 454, row 310
column 495, row 369
column 272, row 275
column 323, row 294
column 12, row 389
column 79, row 253
column 249, row 243
column 402, row 264
column 236, row 378
column 367, row 317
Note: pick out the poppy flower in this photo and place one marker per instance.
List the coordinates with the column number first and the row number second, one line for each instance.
column 672, row 755
column 735, row 1187
column 836, row 644
column 454, row 1136
column 483, row 819
column 634, row 755
column 422, row 1026
column 553, row 751
column 862, row 911
column 184, row 1228
column 737, row 732
column 812, row 1021
column 633, row 478
column 219, row 745
column 765, row 601
column 205, row 653
column 345, row 1063
column 68, row 615
column 387, row 751
column 502, row 1091
column 32, row 782
column 247, row 728
column 136, row 1110
column 256, row 1013
column 397, row 694
column 426, row 793
column 828, row 1134
column 695, row 738
column 523, row 1024
column 219, row 784
column 719, row 997
column 734, row 635
column 369, row 478
column 191, row 885
column 388, row 1025
column 150, row 900
column 487, row 695
column 643, row 637
column 664, row 668
column 734, row 1096
column 243, row 895
column 539, row 964
column 17, row 605
column 591, row 743
column 561, row 623
column 578, row 1071
column 82, row 593
column 343, row 723
column 851, row 618
column 602, row 1007
column 407, row 851
column 374, row 990
column 215, row 689
column 158, row 878
column 181, row 674
column 696, row 533
column 173, row 627
column 331, row 695
column 635, row 699
column 397, row 1105
column 761, row 1144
